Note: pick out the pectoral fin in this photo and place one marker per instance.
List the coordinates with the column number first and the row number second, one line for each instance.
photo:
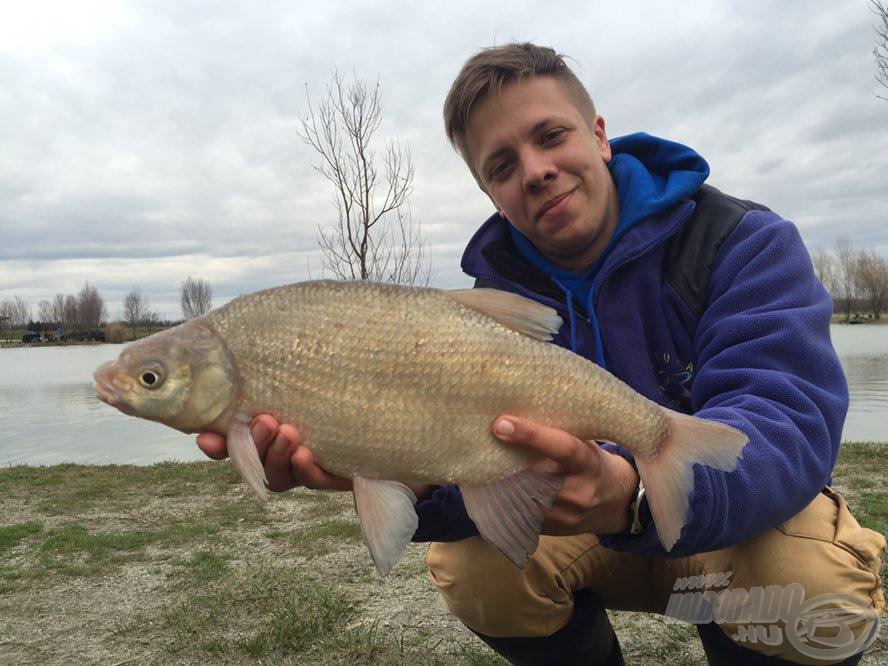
column 245, row 457
column 388, row 520
column 507, row 512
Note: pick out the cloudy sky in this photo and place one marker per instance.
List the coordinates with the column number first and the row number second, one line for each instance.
column 142, row 142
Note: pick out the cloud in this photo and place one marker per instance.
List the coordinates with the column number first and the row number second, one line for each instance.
column 143, row 142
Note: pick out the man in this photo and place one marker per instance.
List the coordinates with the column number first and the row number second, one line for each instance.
column 720, row 316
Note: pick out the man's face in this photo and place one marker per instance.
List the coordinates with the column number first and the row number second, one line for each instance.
column 545, row 169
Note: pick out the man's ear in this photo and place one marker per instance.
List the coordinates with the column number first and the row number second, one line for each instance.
column 601, row 136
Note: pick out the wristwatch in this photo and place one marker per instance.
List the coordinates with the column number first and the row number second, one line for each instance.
column 640, row 511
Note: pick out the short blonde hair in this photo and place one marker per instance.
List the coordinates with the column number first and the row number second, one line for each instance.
column 487, row 71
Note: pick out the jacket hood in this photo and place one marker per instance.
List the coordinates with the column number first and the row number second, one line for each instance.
column 652, row 175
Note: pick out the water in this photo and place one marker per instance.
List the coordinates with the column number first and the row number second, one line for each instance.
column 863, row 351
column 48, row 413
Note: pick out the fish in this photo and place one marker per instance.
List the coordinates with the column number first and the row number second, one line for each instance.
column 393, row 385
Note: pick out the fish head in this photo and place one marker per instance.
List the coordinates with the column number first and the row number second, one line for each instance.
column 182, row 377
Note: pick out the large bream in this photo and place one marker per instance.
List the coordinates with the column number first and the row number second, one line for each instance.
column 394, row 385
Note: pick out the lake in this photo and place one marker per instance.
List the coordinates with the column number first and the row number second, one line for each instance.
column 48, row 413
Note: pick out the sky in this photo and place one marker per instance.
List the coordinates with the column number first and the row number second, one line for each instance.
column 143, row 142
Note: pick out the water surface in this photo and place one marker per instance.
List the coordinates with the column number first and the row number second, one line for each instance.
column 48, row 413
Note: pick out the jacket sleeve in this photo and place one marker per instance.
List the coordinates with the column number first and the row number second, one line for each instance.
column 766, row 366
column 443, row 517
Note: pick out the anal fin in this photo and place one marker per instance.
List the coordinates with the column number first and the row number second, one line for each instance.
column 388, row 519
column 507, row 512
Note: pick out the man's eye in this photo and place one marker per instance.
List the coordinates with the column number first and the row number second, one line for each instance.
column 500, row 169
column 552, row 135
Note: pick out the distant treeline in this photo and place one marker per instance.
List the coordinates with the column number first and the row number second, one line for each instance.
column 75, row 316
column 857, row 279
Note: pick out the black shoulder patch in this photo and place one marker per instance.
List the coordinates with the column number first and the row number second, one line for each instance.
column 692, row 251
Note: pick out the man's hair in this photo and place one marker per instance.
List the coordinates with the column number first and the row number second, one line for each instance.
column 486, row 72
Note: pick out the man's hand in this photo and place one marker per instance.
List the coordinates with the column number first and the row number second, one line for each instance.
column 598, row 488
column 287, row 463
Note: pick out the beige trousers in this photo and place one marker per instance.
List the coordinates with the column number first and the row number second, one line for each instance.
column 823, row 549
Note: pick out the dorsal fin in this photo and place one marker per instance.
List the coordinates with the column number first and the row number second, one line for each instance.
column 511, row 310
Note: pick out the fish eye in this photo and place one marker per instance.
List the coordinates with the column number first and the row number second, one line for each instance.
column 150, row 377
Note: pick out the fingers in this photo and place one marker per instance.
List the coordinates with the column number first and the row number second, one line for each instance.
column 213, row 445
column 306, row 473
column 264, row 429
column 287, row 463
column 574, row 455
column 277, row 458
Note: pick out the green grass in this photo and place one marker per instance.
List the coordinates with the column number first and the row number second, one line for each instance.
column 323, row 537
column 12, row 535
column 202, row 567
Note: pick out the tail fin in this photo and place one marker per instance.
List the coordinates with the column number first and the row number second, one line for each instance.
column 668, row 476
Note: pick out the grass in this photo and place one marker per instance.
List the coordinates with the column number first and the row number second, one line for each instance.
column 324, row 536
column 12, row 535
column 177, row 563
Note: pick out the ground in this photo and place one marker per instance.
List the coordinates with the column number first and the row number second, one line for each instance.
column 177, row 563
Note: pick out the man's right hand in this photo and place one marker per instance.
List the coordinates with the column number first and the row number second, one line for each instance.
column 287, row 463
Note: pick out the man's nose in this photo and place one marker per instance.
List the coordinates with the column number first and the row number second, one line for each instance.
column 538, row 170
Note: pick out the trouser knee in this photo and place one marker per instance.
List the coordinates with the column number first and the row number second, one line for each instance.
column 492, row 596
column 807, row 591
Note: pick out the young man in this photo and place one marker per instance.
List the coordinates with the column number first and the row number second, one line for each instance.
column 717, row 314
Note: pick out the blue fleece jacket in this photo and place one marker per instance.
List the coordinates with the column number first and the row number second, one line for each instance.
column 759, row 358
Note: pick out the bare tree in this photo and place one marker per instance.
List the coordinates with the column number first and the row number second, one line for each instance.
column 45, row 312
column 19, row 312
column 152, row 319
column 134, row 308
column 15, row 315
column 71, row 313
column 58, row 309
column 376, row 237
column 196, row 297
column 880, row 52
column 872, row 279
column 825, row 267
column 91, row 310
column 846, row 256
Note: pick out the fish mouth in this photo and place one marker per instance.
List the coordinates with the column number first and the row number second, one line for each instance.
column 103, row 384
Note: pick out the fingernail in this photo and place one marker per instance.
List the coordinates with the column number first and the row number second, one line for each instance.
column 504, row 427
column 260, row 431
column 280, row 444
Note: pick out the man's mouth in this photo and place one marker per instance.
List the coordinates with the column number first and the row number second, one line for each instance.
column 556, row 204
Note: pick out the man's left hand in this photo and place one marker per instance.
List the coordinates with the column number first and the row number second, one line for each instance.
column 598, row 486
